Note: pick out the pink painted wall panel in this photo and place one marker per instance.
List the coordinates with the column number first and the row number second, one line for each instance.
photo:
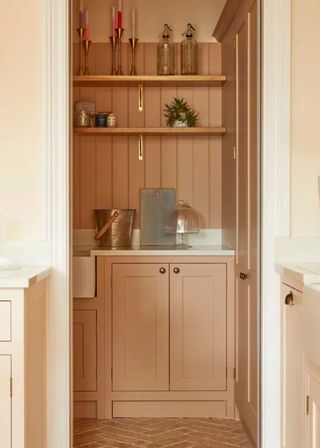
column 107, row 172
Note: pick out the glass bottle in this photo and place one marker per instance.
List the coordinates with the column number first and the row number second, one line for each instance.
column 189, row 53
column 166, row 53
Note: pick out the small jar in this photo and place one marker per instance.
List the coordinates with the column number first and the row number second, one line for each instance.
column 101, row 120
column 82, row 119
column 111, row 121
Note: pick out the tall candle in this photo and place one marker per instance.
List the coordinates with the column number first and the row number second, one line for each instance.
column 133, row 23
column 119, row 13
column 81, row 21
column 114, row 21
column 87, row 19
column 86, row 35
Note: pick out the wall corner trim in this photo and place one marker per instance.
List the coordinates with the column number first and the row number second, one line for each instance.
column 55, row 37
column 276, row 130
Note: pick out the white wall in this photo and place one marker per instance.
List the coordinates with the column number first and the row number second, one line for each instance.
column 305, row 208
column 22, row 192
column 151, row 15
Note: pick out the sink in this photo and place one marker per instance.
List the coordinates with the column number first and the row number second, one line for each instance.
column 311, row 322
column 84, row 276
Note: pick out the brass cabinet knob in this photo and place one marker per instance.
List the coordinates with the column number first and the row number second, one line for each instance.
column 176, row 270
column 162, row 270
column 243, row 276
column 289, row 299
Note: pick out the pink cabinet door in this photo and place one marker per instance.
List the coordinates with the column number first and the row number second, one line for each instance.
column 198, row 326
column 85, row 350
column 5, row 401
column 140, row 327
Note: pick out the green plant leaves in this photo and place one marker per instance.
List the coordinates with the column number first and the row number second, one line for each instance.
column 179, row 110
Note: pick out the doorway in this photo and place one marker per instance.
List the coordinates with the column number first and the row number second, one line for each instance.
column 274, row 86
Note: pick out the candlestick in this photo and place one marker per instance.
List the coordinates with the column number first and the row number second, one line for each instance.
column 113, row 40
column 86, row 46
column 81, row 32
column 119, row 36
column 133, row 43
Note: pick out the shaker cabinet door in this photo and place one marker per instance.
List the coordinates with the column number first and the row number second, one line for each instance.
column 292, row 355
column 5, row 401
column 313, row 421
column 85, row 350
column 140, row 327
column 198, row 326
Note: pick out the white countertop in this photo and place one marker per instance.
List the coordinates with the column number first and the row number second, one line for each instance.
column 166, row 251
column 23, row 277
column 305, row 273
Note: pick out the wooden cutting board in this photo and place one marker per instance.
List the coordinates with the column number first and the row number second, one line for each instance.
column 156, row 210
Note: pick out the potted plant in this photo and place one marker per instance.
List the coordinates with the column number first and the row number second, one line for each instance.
column 179, row 114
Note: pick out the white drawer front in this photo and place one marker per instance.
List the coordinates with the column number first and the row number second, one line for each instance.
column 5, row 320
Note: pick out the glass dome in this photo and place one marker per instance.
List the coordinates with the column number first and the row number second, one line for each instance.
column 183, row 221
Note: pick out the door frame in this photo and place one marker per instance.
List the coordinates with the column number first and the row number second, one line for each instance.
column 275, row 198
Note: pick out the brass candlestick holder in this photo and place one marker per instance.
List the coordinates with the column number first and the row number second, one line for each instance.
column 119, row 36
column 86, row 46
column 113, row 40
column 133, row 43
column 81, row 32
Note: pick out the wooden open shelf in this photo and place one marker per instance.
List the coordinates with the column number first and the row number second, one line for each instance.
column 151, row 131
column 148, row 80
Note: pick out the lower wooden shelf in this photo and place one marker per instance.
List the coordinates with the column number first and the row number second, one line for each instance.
column 151, row 131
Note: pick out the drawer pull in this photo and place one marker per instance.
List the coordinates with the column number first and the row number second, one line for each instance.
column 162, row 270
column 176, row 270
column 289, row 299
column 243, row 276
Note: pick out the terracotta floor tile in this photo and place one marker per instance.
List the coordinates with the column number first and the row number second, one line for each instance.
column 159, row 433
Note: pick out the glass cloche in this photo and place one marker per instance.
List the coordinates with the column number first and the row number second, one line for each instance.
column 185, row 220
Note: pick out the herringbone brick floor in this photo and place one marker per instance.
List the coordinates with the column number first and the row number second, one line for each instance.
column 159, row 433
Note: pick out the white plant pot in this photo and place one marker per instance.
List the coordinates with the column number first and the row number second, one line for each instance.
column 180, row 124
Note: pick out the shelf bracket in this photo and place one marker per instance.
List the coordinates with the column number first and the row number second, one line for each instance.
column 140, row 147
column 141, row 99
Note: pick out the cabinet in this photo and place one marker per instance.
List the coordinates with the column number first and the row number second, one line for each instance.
column 293, row 362
column 85, row 350
column 169, row 342
column 198, row 321
column 23, row 366
column 5, row 402
column 240, row 198
column 88, row 353
column 140, row 326
column 313, row 417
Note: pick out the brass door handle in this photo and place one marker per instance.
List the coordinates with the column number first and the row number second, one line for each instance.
column 243, row 276
column 289, row 299
column 162, row 270
column 176, row 270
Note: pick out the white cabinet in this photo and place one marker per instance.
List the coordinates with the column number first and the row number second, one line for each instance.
column 5, row 401
column 23, row 366
column 293, row 359
column 313, row 405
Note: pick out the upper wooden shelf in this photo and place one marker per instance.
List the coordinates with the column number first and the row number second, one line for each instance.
column 108, row 80
column 151, row 131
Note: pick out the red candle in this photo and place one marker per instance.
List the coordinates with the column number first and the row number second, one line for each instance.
column 120, row 14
